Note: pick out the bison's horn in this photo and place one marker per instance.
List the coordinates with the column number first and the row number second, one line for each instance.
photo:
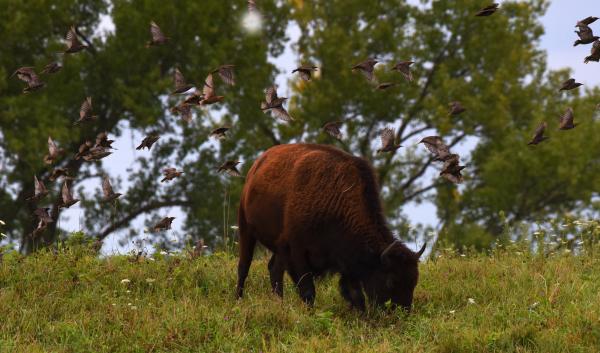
column 420, row 252
column 385, row 253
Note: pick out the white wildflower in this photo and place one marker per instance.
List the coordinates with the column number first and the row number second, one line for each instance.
column 537, row 232
column 129, row 304
column 235, row 227
column 534, row 305
column 2, row 222
column 133, row 307
column 162, row 252
column 471, row 300
column 567, row 251
column 452, row 312
column 151, row 259
column 2, row 235
column 150, row 280
column 128, row 291
column 125, row 281
column 463, row 255
column 113, row 304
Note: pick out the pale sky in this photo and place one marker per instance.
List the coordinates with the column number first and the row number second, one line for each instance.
column 559, row 24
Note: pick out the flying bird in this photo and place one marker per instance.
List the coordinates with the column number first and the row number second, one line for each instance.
column 488, row 10
column 586, row 36
column 274, row 104
column 539, row 134
column 163, row 224
column 170, row 174
column 570, row 84
column 208, row 91
column 40, row 190
column 366, row 68
column 404, row 68
column 333, row 129
column 85, row 112
column 53, row 152
column 67, row 197
column 73, row 44
column 96, row 153
column 388, row 137
column 158, row 38
column 184, row 110
column 566, row 120
column 385, row 85
column 103, row 141
column 230, row 168
column 595, row 55
column 226, row 73
column 57, row 173
column 219, row 133
column 83, row 150
column 437, row 147
column 52, row 68
column 180, row 85
column 452, row 170
column 252, row 6
column 305, row 71
column 456, row 108
column 148, row 141
column 107, row 190
column 586, row 21
column 44, row 219
column 28, row 75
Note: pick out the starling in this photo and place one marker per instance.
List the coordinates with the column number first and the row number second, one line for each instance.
column 103, row 141
column 252, row 6
column 595, row 55
column 57, row 173
column 570, row 84
column 219, row 133
column 274, row 104
column 148, row 141
column 53, row 152
column 183, row 109
column 230, row 168
column 488, row 10
column 163, row 224
column 566, row 120
column 451, row 169
column 586, row 21
column 198, row 249
column 208, row 91
column 96, row 153
column 366, row 68
column 180, row 85
column 43, row 215
column 305, row 71
column 85, row 112
column 539, row 134
column 83, row 150
column 107, row 190
column 586, row 36
column 170, row 174
column 333, row 129
column 456, row 108
column 28, row 75
column 52, row 68
column 67, row 198
column 404, row 68
column 436, row 145
column 388, row 137
column 226, row 74
column 385, row 85
column 73, row 43
column 158, row 38
column 40, row 190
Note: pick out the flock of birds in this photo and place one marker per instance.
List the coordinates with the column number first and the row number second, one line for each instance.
column 273, row 104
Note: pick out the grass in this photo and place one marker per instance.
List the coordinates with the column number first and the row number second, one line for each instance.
column 74, row 302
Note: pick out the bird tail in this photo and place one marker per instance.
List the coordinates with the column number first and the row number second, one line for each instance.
column 577, row 42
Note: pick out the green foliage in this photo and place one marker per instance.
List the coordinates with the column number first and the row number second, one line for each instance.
column 511, row 300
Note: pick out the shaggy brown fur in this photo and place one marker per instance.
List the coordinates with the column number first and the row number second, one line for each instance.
column 317, row 209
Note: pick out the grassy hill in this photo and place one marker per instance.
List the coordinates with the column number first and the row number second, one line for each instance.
column 508, row 301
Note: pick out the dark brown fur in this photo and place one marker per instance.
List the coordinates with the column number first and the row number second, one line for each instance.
column 318, row 210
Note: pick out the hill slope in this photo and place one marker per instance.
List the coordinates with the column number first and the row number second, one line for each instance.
column 74, row 302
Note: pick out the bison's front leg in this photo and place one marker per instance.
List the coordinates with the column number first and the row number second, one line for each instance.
column 303, row 277
column 352, row 291
column 276, row 269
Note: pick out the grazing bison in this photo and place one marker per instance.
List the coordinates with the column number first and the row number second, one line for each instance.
column 317, row 209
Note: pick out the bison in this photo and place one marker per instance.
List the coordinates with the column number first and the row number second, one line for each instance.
column 317, row 208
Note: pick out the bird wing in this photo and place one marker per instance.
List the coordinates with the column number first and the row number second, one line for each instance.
column 252, row 6
column 304, row 74
column 106, row 187
column 66, row 193
column 539, row 132
column 179, row 80
column 567, row 118
column 52, row 149
column 86, row 108
column 282, row 114
column 569, row 82
column 227, row 75
column 157, row 34
column 388, row 136
column 71, row 38
column 271, row 94
column 40, row 188
column 585, row 33
column 208, row 90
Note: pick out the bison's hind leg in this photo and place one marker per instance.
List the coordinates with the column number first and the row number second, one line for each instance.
column 247, row 244
column 276, row 270
column 352, row 291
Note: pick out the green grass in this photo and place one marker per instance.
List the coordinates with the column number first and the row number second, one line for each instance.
column 74, row 302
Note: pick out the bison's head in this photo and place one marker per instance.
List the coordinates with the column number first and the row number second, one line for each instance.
column 397, row 277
